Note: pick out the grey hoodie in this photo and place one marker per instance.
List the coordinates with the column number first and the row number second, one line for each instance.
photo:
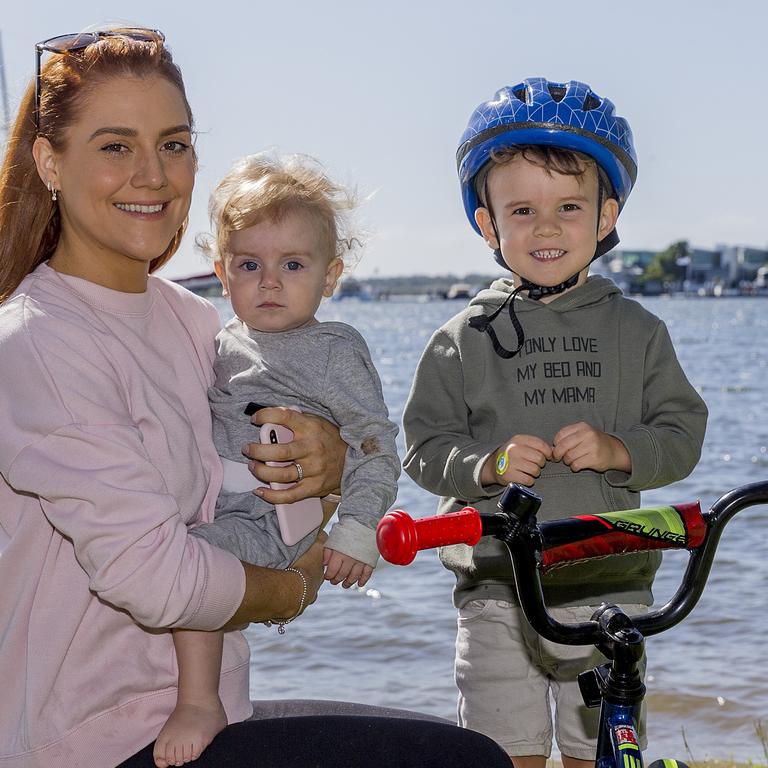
column 324, row 369
column 590, row 355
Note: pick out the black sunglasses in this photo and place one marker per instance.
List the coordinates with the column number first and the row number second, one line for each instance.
column 77, row 42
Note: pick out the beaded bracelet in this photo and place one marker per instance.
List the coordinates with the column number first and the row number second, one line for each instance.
column 281, row 624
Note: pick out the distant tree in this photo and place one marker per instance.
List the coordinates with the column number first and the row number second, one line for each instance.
column 668, row 266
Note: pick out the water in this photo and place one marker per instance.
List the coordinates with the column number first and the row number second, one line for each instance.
column 391, row 643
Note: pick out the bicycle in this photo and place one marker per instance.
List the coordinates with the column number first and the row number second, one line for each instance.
column 616, row 687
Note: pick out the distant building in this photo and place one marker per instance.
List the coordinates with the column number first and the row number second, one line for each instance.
column 728, row 266
column 741, row 263
column 625, row 267
column 704, row 267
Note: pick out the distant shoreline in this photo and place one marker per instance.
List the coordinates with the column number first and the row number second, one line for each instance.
column 448, row 287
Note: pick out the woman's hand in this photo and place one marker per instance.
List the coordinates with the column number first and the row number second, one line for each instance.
column 311, row 565
column 275, row 595
column 316, row 445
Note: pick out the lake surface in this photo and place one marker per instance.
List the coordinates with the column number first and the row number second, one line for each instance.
column 391, row 643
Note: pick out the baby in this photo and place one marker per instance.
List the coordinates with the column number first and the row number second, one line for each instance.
column 278, row 250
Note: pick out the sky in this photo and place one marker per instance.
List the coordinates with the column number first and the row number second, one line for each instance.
column 380, row 93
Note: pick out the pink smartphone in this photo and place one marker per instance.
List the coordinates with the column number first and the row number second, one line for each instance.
column 298, row 519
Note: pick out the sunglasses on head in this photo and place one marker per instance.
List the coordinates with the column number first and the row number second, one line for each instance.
column 79, row 41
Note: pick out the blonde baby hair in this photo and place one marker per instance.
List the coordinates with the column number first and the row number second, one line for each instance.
column 268, row 185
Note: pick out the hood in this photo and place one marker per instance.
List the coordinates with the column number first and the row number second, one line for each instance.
column 596, row 290
column 488, row 307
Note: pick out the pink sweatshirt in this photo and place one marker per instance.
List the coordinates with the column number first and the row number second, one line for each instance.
column 106, row 457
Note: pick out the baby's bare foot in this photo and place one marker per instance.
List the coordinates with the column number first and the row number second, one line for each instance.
column 187, row 732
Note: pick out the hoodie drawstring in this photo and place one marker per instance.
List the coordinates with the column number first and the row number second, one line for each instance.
column 482, row 323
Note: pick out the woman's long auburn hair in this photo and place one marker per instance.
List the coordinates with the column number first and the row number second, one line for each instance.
column 29, row 220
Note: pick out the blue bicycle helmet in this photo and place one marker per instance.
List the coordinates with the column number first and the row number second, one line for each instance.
column 537, row 111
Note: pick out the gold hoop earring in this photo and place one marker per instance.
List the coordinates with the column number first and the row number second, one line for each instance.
column 52, row 190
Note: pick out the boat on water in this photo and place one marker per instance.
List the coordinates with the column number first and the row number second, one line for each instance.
column 352, row 289
column 203, row 285
column 459, row 291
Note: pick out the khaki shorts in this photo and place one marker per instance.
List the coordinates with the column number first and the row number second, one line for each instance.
column 506, row 674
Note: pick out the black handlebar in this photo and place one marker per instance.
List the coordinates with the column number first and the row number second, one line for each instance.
column 516, row 526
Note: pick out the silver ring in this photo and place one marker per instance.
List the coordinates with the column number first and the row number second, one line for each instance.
column 300, row 472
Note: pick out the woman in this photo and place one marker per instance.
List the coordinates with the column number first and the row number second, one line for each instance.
column 106, row 453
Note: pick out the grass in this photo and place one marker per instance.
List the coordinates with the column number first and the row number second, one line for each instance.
column 762, row 736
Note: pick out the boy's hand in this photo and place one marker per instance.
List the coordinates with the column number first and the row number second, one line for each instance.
column 581, row 446
column 518, row 461
column 345, row 570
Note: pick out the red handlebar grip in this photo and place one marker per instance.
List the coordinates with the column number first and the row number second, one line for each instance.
column 399, row 537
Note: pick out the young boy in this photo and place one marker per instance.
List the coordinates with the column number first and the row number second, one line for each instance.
column 574, row 390
column 278, row 250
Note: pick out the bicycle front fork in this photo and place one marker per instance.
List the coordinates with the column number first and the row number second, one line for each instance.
column 617, row 689
column 618, row 745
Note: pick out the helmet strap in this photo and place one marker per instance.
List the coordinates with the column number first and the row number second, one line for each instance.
column 497, row 256
column 611, row 240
